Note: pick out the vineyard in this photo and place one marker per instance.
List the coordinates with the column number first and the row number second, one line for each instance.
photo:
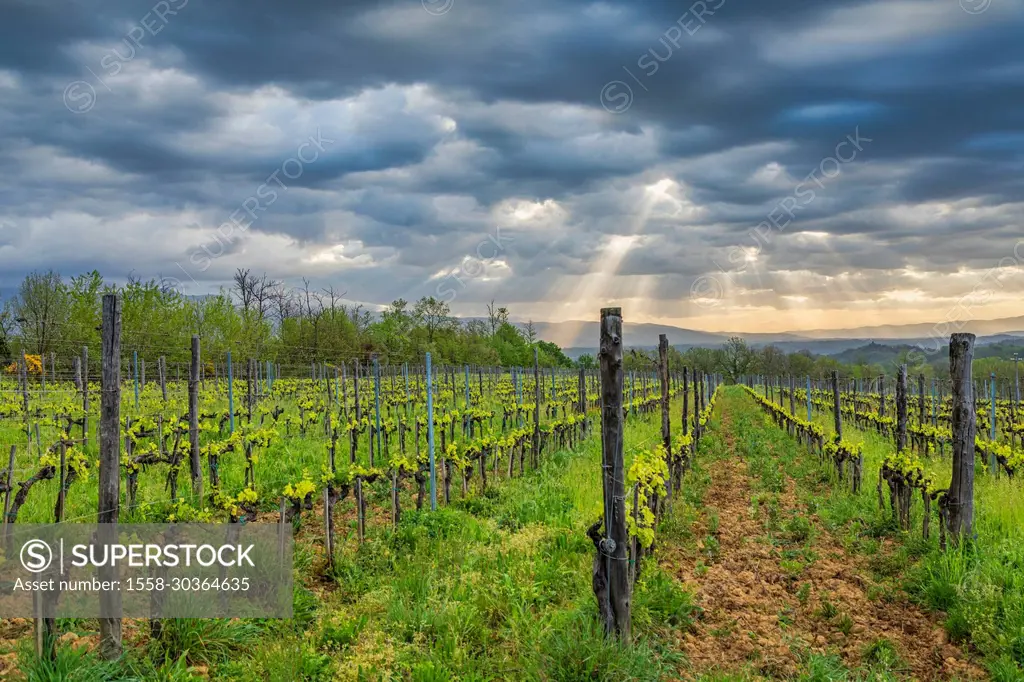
column 477, row 523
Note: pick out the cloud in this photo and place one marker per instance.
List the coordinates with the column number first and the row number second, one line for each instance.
column 129, row 149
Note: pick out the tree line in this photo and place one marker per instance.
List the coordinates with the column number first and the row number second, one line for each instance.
column 259, row 317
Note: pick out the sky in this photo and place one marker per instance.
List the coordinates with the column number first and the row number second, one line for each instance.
column 748, row 166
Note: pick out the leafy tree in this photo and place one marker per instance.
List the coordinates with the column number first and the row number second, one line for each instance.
column 738, row 359
column 41, row 310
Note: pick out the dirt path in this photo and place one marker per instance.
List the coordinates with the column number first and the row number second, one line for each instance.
column 774, row 589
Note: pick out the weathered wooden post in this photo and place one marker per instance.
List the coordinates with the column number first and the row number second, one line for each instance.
column 792, row 395
column 162, row 371
column 612, row 548
column 231, row 395
column 920, row 407
column 536, row 407
column 7, row 496
column 328, row 529
column 582, row 390
column 959, row 500
column 249, row 366
column 810, row 416
column 193, row 422
column 376, row 409
column 837, row 414
column 430, row 434
column 686, row 400
column 85, row 397
column 881, row 395
column 135, row 374
column 901, row 408
column 666, row 424
column 110, row 469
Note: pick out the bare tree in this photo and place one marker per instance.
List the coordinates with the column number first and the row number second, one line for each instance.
column 255, row 294
column 496, row 316
column 283, row 301
column 243, row 288
column 335, row 299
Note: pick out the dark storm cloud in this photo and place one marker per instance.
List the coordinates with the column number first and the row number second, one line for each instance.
column 166, row 119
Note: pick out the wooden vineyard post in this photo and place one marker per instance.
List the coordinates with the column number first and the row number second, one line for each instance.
column 231, row 396
column 809, row 414
column 901, row 408
column 993, row 463
column 328, row 530
column 686, row 400
column 536, row 408
column 249, row 397
column 135, row 375
column 666, row 424
column 162, row 372
column 920, row 407
column 77, row 365
column 881, row 395
column 696, row 409
column 582, row 389
column 193, row 422
column 85, row 397
column 376, row 409
column 430, row 435
column 792, row 395
column 611, row 581
column 837, row 414
column 110, row 470
column 959, row 500
column 7, row 497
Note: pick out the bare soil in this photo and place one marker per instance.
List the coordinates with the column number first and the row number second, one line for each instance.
column 753, row 616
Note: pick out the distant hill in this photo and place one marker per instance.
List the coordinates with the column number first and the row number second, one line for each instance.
column 999, row 346
column 874, row 353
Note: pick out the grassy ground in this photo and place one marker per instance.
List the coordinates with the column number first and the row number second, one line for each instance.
column 495, row 587
column 765, row 569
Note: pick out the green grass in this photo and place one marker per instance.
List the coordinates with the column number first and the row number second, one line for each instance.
column 495, row 586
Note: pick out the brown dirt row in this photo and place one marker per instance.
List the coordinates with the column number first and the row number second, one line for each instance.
column 753, row 616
